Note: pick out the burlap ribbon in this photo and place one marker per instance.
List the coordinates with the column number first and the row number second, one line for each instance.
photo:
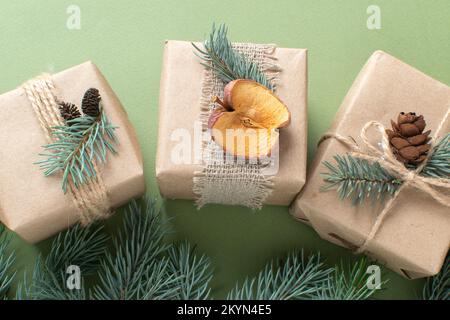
column 232, row 183
column 91, row 200
column 385, row 157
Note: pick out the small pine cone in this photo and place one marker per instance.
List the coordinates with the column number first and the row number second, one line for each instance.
column 408, row 141
column 91, row 103
column 68, row 111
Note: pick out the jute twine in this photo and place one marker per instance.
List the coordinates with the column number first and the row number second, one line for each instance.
column 385, row 157
column 91, row 200
column 234, row 183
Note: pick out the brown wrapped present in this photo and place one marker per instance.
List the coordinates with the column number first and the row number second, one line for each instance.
column 33, row 205
column 413, row 235
column 182, row 94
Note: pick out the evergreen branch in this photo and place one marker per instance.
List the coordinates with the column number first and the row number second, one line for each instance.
column 359, row 179
column 79, row 143
column 219, row 56
column 82, row 247
column 46, row 284
column 439, row 164
column 132, row 269
column 158, row 284
column 296, row 278
column 438, row 287
column 347, row 283
column 193, row 273
column 6, row 262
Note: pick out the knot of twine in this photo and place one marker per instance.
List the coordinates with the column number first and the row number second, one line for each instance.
column 387, row 160
column 91, row 199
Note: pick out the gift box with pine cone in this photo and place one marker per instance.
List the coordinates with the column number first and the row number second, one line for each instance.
column 69, row 153
column 379, row 183
column 211, row 87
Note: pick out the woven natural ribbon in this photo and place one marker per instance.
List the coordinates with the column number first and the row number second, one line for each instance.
column 91, row 199
column 385, row 157
column 232, row 183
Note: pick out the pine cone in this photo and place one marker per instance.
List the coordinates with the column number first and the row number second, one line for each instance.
column 408, row 141
column 68, row 111
column 91, row 103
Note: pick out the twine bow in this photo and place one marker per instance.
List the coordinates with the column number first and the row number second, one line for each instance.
column 387, row 160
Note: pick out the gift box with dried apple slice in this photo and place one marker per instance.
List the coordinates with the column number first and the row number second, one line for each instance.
column 256, row 92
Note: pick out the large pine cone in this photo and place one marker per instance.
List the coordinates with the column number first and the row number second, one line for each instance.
column 91, row 103
column 68, row 111
column 408, row 141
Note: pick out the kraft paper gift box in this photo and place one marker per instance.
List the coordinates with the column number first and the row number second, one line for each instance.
column 414, row 238
column 34, row 206
column 180, row 108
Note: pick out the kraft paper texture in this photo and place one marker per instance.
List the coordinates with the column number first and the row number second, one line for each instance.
column 34, row 206
column 180, row 108
column 415, row 236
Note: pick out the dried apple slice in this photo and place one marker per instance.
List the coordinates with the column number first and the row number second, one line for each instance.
column 247, row 122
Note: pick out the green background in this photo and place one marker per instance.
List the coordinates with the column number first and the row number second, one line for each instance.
column 125, row 39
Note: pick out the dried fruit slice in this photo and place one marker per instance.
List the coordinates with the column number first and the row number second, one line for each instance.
column 246, row 123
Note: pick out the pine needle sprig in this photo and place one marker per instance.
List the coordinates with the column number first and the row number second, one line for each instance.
column 193, row 273
column 77, row 246
column 6, row 264
column 298, row 277
column 439, row 164
column 229, row 65
column 438, row 287
column 131, row 272
column 46, row 284
column 358, row 179
column 80, row 246
column 348, row 282
column 78, row 144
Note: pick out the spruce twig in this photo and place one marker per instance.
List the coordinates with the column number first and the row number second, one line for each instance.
column 77, row 246
column 193, row 273
column 79, row 143
column 348, row 282
column 298, row 277
column 219, row 56
column 307, row 279
column 359, row 179
column 6, row 263
column 131, row 271
column 439, row 164
column 438, row 287
column 143, row 267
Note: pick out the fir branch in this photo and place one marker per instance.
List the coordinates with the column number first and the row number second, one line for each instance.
column 79, row 143
column 296, row 278
column 359, row 179
column 219, row 56
column 78, row 246
column 131, row 273
column 6, row 262
column 439, row 164
column 46, row 284
column 193, row 273
column 347, row 283
column 438, row 287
